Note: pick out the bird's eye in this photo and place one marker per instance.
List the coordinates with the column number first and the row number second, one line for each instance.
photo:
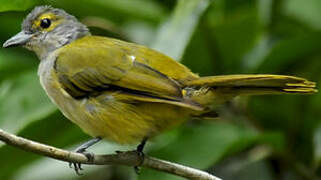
column 45, row 23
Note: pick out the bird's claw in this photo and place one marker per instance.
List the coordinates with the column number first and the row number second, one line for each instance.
column 82, row 150
column 77, row 166
column 142, row 156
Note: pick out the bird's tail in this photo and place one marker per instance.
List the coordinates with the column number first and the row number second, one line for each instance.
column 217, row 89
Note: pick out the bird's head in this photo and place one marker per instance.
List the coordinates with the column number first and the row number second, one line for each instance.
column 46, row 29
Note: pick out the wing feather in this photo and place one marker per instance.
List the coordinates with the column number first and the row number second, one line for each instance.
column 84, row 70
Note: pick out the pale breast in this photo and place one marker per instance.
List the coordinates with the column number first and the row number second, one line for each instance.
column 69, row 106
column 51, row 85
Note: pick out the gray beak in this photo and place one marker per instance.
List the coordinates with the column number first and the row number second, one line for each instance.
column 18, row 40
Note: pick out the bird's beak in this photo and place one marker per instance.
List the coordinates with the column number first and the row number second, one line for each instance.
column 19, row 39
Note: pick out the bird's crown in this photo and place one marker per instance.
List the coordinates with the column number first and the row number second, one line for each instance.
column 44, row 18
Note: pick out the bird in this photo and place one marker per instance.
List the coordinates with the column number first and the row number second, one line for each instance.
column 124, row 92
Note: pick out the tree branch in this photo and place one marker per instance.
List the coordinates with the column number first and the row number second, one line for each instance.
column 130, row 158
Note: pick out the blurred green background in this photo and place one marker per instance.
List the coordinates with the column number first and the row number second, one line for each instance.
column 266, row 137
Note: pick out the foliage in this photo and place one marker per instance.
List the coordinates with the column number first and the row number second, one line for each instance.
column 271, row 137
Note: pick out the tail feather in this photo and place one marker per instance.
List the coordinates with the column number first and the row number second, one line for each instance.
column 255, row 84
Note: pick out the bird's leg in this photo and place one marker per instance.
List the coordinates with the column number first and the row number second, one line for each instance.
column 83, row 150
column 140, row 152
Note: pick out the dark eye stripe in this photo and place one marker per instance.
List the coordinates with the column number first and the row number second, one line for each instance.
column 45, row 23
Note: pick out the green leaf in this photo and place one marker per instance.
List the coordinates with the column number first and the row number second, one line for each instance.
column 122, row 9
column 14, row 62
column 174, row 35
column 308, row 11
column 317, row 145
column 16, row 5
column 141, row 8
column 24, row 102
column 288, row 51
column 233, row 32
column 246, row 165
column 314, row 110
column 197, row 55
column 201, row 146
column 10, row 25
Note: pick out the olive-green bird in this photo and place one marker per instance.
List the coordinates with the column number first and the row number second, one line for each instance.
column 124, row 92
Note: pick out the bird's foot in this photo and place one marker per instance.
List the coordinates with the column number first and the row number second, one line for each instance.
column 77, row 166
column 83, row 150
column 141, row 157
column 139, row 150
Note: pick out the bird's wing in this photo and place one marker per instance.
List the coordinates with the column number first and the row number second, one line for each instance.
column 89, row 67
column 159, row 61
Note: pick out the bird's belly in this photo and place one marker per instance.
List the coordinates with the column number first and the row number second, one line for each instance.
column 112, row 118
